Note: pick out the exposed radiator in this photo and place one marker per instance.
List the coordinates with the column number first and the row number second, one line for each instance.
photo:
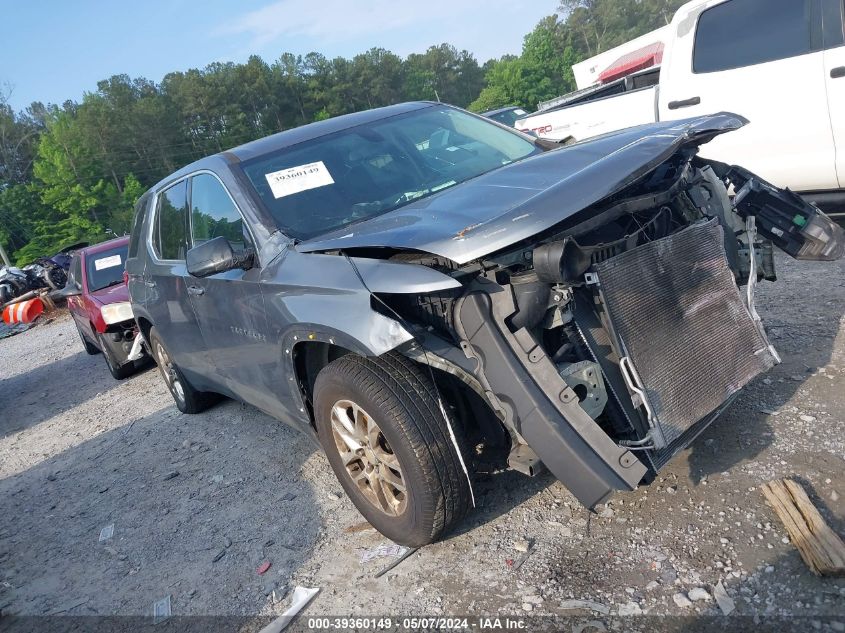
column 681, row 320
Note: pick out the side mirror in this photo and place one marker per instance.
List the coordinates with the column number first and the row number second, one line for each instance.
column 71, row 289
column 216, row 256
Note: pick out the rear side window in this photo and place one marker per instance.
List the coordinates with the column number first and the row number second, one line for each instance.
column 170, row 223
column 74, row 273
column 213, row 214
column 137, row 225
column 742, row 33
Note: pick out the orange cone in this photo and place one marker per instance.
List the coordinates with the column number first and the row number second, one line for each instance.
column 23, row 311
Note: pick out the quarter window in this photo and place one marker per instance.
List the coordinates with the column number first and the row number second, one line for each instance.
column 170, row 225
column 137, row 224
column 74, row 274
column 742, row 33
column 213, row 214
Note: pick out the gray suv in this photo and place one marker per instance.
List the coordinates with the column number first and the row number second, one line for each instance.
column 420, row 288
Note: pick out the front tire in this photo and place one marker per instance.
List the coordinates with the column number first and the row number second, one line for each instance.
column 116, row 369
column 382, row 427
column 90, row 348
column 188, row 399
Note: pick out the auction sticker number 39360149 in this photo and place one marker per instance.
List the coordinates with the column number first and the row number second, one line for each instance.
column 107, row 262
column 287, row 182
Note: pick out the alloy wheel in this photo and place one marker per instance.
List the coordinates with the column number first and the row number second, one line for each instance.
column 368, row 458
column 168, row 372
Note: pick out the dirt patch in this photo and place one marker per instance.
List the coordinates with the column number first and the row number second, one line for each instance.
column 199, row 503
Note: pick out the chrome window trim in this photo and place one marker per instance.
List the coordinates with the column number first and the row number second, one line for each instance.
column 234, row 204
column 152, row 225
column 154, row 217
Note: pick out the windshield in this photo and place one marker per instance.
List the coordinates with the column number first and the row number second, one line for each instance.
column 105, row 268
column 333, row 181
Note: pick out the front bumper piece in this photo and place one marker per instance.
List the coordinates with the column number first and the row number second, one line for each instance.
column 524, row 383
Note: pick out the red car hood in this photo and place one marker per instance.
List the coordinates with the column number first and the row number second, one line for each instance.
column 112, row 294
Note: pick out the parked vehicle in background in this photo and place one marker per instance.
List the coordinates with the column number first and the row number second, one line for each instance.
column 13, row 283
column 408, row 282
column 57, row 266
column 44, row 272
column 98, row 300
column 645, row 51
column 779, row 64
column 506, row 116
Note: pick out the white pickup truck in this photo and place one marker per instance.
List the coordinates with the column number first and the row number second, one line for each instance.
column 778, row 63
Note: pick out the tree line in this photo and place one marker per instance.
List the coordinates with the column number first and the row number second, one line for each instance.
column 72, row 172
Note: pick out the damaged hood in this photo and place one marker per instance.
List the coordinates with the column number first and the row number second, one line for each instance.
column 505, row 206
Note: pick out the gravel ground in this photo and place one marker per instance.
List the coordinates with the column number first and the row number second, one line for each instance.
column 198, row 503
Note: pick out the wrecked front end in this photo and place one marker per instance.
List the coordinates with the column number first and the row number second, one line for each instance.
column 608, row 342
column 610, row 348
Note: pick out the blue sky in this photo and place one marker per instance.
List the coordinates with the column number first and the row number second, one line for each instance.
column 52, row 51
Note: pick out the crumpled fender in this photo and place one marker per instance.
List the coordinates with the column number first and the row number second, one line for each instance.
column 402, row 278
column 328, row 298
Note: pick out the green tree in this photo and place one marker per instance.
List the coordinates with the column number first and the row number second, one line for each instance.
column 542, row 71
column 78, row 203
column 443, row 73
column 65, row 167
column 70, row 172
column 20, row 207
column 507, row 84
column 377, row 77
column 598, row 25
column 18, row 142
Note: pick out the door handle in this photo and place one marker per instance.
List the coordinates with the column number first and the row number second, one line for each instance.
column 685, row 103
column 149, row 283
column 195, row 291
column 838, row 72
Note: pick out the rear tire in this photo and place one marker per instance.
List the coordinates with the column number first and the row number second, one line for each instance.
column 188, row 399
column 382, row 427
column 90, row 348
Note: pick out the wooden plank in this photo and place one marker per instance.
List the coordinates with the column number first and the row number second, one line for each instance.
column 820, row 547
column 811, row 550
column 832, row 544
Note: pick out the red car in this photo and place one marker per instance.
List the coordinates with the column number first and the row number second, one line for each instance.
column 98, row 300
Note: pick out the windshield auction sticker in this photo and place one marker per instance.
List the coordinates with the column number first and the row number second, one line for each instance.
column 287, row 182
column 107, row 262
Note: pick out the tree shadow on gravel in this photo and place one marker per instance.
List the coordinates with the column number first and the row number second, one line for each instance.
column 802, row 313
column 48, row 390
column 197, row 504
